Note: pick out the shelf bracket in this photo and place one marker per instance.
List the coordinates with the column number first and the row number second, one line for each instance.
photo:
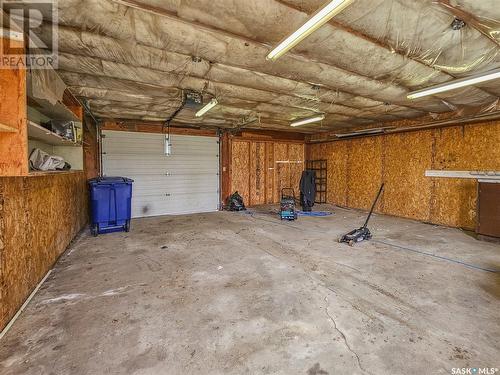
column 7, row 129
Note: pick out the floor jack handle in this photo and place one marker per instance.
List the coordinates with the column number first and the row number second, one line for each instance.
column 373, row 205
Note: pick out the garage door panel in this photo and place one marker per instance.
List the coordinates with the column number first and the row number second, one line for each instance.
column 157, row 205
column 137, row 143
column 147, row 162
column 194, row 184
column 184, row 182
column 161, row 166
column 127, row 172
column 174, row 192
column 176, row 153
column 154, row 144
column 187, row 180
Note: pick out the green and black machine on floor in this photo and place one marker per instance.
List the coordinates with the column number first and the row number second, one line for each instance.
column 287, row 204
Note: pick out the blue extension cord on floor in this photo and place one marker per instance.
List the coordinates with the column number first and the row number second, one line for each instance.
column 314, row 213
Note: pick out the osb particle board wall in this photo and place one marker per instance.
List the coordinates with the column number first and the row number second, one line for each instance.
column 39, row 216
column 13, row 131
column 259, row 169
column 90, row 149
column 357, row 167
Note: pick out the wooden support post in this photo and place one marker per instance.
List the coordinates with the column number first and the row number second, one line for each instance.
column 13, row 132
column 91, row 156
column 225, row 169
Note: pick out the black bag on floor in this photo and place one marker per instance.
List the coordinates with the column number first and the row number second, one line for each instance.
column 235, row 202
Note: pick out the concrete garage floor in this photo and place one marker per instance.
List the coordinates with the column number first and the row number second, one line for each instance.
column 231, row 293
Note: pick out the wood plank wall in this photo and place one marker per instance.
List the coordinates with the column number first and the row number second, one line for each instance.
column 39, row 216
column 260, row 168
column 357, row 167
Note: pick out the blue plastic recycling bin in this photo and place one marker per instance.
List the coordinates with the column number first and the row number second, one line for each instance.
column 110, row 204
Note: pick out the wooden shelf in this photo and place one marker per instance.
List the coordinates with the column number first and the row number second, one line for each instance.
column 7, row 129
column 53, row 111
column 38, row 132
column 48, row 173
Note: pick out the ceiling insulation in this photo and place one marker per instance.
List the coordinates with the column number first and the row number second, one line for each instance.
column 132, row 58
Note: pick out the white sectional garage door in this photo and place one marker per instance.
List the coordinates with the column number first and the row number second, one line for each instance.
column 185, row 182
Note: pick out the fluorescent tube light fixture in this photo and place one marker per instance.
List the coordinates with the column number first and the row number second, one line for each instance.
column 317, row 20
column 212, row 103
column 357, row 133
column 308, row 120
column 455, row 84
